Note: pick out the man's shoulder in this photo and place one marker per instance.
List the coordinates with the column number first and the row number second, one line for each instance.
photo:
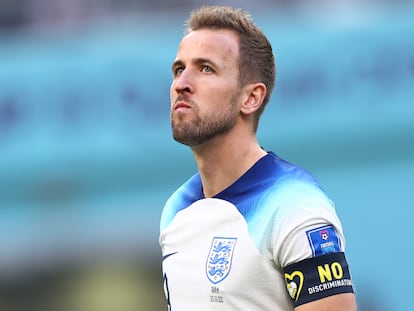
column 189, row 192
column 291, row 187
column 285, row 176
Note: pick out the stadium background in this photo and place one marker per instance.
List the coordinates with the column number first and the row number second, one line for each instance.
column 87, row 159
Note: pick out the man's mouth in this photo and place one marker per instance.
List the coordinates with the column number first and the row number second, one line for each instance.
column 181, row 105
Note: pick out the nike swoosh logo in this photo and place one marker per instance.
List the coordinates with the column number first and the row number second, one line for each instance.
column 168, row 255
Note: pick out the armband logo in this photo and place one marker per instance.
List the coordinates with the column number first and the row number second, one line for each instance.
column 294, row 283
column 323, row 240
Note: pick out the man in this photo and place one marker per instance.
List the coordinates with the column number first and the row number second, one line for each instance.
column 249, row 231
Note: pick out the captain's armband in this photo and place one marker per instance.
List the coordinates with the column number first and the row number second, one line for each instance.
column 318, row 277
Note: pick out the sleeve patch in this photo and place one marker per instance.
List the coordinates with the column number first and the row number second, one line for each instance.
column 317, row 278
column 323, row 240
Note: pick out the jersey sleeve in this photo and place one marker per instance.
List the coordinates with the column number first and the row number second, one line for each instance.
column 309, row 227
column 309, row 246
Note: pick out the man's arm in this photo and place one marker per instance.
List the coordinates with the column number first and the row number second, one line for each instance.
column 340, row 302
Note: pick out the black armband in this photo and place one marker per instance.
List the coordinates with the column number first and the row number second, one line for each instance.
column 318, row 277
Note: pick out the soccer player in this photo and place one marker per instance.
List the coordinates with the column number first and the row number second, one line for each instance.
column 249, row 231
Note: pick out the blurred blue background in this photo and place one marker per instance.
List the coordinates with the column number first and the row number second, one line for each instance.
column 87, row 159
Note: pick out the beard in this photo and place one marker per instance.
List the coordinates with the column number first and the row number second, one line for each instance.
column 197, row 131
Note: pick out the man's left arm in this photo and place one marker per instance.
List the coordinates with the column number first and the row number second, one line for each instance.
column 340, row 302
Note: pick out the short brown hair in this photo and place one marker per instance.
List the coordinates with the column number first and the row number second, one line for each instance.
column 256, row 60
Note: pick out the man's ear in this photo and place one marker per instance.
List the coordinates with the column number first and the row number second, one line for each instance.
column 255, row 94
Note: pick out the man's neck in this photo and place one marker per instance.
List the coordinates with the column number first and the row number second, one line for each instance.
column 222, row 162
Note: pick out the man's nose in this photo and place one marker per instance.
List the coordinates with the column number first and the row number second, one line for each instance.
column 183, row 83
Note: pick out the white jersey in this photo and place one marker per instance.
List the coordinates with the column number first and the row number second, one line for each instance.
column 229, row 252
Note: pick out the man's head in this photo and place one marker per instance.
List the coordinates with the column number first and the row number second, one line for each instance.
column 223, row 75
column 256, row 60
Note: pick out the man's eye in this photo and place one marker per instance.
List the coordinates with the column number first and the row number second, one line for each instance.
column 207, row 69
column 178, row 70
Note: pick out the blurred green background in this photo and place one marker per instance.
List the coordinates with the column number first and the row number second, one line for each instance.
column 87, row 159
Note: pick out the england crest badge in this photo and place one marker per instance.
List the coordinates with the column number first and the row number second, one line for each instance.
column 219, row 259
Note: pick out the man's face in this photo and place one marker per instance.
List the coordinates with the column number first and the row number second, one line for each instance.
column 205, row 90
